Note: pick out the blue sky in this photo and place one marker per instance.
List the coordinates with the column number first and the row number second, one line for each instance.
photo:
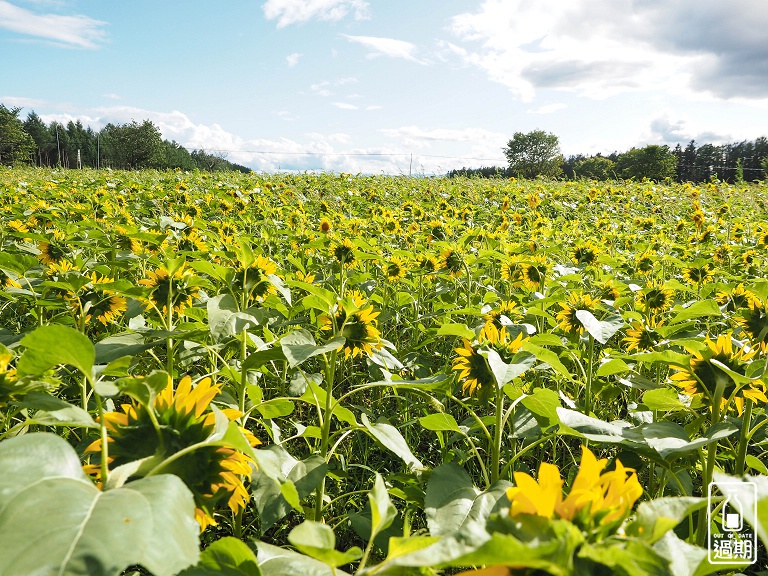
column 373, row 86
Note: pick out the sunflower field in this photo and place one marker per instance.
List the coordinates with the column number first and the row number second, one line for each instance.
column 327, row 374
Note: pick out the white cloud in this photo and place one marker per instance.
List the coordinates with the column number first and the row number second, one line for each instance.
column 386, row 47
column 549, row 108
column 112, row 96
column 288, row 12
column 293, row 59
column 74, row 31
column 601, row 49
column 345, row 106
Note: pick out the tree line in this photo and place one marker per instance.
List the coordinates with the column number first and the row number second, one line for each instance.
column 129, row 146
column 537, row 153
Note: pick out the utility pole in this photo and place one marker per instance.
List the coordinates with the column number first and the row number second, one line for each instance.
column 58, row 146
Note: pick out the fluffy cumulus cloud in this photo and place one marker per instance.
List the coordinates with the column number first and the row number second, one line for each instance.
column 601, row 49
column 75, row 31
column 288, row 12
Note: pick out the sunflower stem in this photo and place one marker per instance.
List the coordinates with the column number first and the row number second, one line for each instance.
column 588, row 388
column 104, row 443
column 330, row 372
column 496, row 448
column 709, row 466
column 744, row 437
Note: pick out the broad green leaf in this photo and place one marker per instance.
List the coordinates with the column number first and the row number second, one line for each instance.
column 698, row 309
column 277, row 561
column 612, row 366
column 453, row 329
column 441, row 421
column 55, row 344
column 52, row 411
column 655, row 518
column 503, row 372
column 259, row 358
column 299, row 346
column 630, row 557
column 452, row 500
column 121, row 345
column 275, row 408
column 664, row 399
column 390, row 438
column 436, row 383
column 600, row 330
column 543, row 404
column 227, row 556
column 383, row 512
column 666, row 357
column 317, row 540
column 548, row 357
column 87, row 531
column 686, row 559
column 277, row 468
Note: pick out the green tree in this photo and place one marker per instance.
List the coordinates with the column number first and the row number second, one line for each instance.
column 534, row 154
column 46, row 144
column 133, row 146
column 16, row 145
column 653, row 162
column 595, row 168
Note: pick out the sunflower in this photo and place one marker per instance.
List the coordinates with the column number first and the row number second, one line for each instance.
column 736, row 298
column 703, row 379
column 750, row 257
column 437, row 231
column 596, row 497
column 654, row 297
column 452, row 261
column 358, row 328
column 191, row 241
column 54, row 250
column 722, row 254
column 493, row 324
column 179, row 420
column 254, row 279
column 585, row 253
column 698, row 273
column 608, row 290
column 395, row 269
column 428, row 264
column 754, row 322
column 512, row 269
column 344, row 252
column 643, row 335
column 122, row 240
column 645, row 263
column 567, row 319
column 99, row 303
column 762, row 239
column 535, row 272
column 165, row 287
column 325, row 226
column 473, row 370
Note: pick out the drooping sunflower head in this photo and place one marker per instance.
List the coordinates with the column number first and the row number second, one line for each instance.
column 698, row 273
column 494, row 322
column 395, row 269
column 750, row 257
column 174, row 289
column 643, row 335
column 645, row 262
column 753, row 321
column 97, row 302
column 473, row 370
column 535, row 272
column 654, row 298
column 453, row 261
column 705, row 378
column 512, row 269
column 55, row 249
column 585, row 253
column 427, row 264
column 357, row 323
column 567, row 319
column 738, row 297
column 722, row 254
column 254, row 279
column 214, row 474
column 344, row 252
